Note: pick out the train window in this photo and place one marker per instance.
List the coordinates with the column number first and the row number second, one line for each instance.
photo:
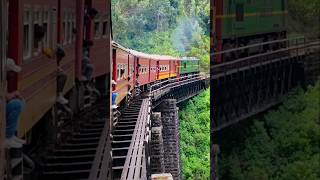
column 131, row 70
column 36, row 25
column 97, row 27
column 118, row 72
column 73, row 26
column 53, row 28
column 126, row 69
column 65, row 28
column 27, row 35
column 46, row 28
column 104, row 29
column 239, row 12
column 69, row 27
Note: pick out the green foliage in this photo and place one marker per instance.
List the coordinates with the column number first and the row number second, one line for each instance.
column 283, row 146
column 166, row 27
column 195, row 137
column 304, row 17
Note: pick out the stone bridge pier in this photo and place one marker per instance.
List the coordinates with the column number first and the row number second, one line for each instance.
column 165, row 154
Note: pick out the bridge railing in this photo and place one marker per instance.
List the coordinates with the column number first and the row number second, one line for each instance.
column 101, row 168
column 159, row 88
column 247, row 62
column 137, row 161
column 239, row 52
column 163, row 83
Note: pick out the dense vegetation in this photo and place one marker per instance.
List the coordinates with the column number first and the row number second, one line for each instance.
column 195, row 137
column 284, row 145
column 167, row 27
column 304, row 17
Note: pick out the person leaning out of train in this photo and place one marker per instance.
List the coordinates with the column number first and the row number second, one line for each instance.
column 127, row 79
column 114, row 96
column 14, row 107
column 129, row 87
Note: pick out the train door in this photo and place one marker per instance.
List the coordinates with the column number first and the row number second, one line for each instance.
column 178, row 69
column 137, row 71
column 239, row 22
column 128, row 66
column 149, row 72
column 3, row 23
column 114, row 67
column 158, row 70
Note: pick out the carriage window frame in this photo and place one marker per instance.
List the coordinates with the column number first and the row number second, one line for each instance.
column 104, row 26
column 239, row 12
column 131, row 70
column 73, row 26
column 65, row 25
column 36, row 20
column 27, row 53
column 69, row 28
column 118, row 71
column 53, row 27
column 47, row 21
column 97, row 27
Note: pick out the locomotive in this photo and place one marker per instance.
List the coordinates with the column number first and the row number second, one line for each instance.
column 76, row 35
column 239, row 23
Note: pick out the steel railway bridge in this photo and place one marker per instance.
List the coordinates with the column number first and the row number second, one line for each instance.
column 248, row 86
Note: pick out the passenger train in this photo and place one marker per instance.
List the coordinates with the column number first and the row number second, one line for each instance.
column 72, row 30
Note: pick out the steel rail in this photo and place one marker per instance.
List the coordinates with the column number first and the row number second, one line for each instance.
column 250, row 61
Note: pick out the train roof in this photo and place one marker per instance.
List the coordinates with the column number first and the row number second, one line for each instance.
column 117, row 45
column 189, row 59
column 152, row 56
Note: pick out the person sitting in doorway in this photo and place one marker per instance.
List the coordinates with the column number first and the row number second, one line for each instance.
column 114, row 96
column 14, row 106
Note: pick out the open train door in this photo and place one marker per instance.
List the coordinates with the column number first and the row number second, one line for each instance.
column 158, row 70
column 3, row 24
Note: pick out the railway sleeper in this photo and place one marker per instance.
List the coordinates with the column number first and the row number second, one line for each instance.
column 70, row 159
column 122, row 137
column 68, row 166
column 66, row 175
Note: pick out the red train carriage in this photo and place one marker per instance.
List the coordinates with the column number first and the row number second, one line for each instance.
column 122, row 60
column 37, row 81
column 97, row 32
column 142, row 63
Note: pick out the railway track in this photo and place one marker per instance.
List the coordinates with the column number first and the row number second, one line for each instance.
column 74, row 158
column 122, row 136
